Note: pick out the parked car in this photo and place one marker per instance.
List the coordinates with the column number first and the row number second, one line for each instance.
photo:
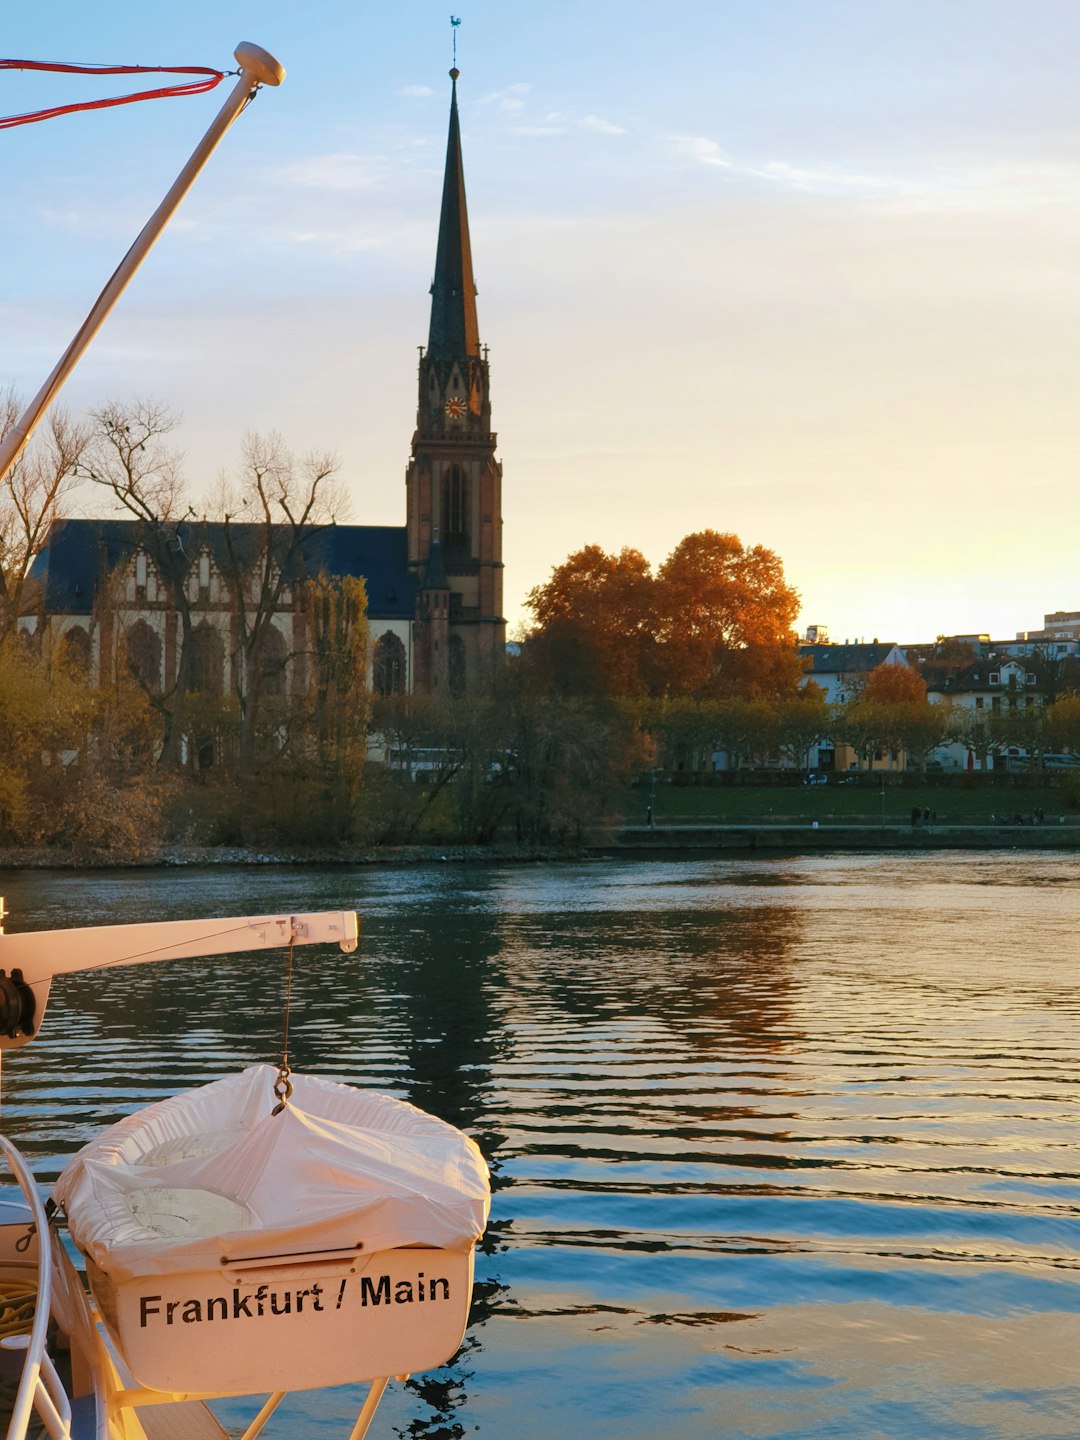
column 1061, row 762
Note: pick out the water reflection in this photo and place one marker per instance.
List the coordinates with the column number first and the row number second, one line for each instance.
column 780, row 1148
column 448, row 976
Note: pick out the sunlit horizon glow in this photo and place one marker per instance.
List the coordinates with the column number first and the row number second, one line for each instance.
column 802, row 272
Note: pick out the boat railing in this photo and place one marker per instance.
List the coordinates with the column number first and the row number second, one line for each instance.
column 41, row 1391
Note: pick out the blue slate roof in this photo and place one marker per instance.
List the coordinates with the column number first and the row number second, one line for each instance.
column 77, row 554
column 80, row 553
column 844, row 659
column 378, row 553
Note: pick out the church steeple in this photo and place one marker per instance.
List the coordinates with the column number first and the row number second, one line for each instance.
column 454, row 334
column 454, row 482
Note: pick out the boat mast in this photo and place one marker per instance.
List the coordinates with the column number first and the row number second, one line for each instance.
column 257, row 67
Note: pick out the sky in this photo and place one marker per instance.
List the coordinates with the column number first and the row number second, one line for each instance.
column 800, row 270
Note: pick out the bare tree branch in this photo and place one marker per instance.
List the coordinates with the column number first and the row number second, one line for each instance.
column 32, row 499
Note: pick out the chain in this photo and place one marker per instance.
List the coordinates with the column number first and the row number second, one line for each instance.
column 283, row 1087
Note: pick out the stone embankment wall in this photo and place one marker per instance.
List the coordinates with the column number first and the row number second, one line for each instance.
column 847, row 837
column 632, row 839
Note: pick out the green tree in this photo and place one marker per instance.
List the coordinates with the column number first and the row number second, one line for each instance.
column 685, row 730
column 892, row 716
column 746, row 727
column 802, row 723
column 1062, row 725
column 338, row 697
column 72, row 759
column 408, row 798
column 1018, row 726
column 568, row 761
column 952, row 652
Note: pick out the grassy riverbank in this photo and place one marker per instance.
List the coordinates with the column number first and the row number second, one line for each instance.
column 843, row 804
column 987, row 814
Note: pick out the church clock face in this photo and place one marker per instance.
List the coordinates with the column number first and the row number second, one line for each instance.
column 455, row 408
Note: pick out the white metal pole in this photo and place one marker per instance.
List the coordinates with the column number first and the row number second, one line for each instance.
column 367, row 1412
column 258, row 1425
column 257, row 67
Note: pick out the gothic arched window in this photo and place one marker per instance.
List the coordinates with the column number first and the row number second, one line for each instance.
column 388, row 666
column 456, row 666
column 144, row 655
column 454, row 531
column 272, row 660
column 75, row 649
column 207, row 671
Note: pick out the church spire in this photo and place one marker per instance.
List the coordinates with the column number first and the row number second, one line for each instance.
column 454, row 333
column 453, row 486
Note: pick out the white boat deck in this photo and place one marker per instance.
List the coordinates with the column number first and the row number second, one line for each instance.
column 182, row 1420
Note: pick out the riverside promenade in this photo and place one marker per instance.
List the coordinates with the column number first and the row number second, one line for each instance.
column 789, row 836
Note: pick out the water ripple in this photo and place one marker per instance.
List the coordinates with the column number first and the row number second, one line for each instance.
column 780, row 1148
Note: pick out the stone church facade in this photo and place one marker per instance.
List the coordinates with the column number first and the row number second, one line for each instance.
column 434, row 584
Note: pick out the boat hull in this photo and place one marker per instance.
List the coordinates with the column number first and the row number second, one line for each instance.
column 287, row 1324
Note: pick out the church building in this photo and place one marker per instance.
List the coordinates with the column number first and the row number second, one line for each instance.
column 434, row 584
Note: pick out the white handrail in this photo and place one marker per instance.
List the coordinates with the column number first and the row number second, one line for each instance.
column 40, row 1388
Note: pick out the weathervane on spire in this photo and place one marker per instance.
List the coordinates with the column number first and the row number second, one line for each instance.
column 455, row 21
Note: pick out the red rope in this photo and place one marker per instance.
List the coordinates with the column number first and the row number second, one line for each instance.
column 190, row 87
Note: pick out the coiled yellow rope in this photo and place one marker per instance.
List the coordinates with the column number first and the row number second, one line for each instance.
column 17, row 1305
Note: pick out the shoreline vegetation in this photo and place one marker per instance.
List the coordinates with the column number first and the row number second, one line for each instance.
column 660, row 813
column 633, row 839
column 612, row 726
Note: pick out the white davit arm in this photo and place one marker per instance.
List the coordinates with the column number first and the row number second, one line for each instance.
column 39, row 955
column 257, row 67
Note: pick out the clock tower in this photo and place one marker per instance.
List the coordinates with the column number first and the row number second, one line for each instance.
column 453, row 484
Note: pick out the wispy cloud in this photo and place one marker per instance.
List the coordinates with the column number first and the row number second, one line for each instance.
column 418, row 91
column 102, row 220
column 604, row 127
column 508, row 99
column 967, row 185
column 538, row 130
column 821, row 179
column 562, row 122
column 1013, row 186
column 332, row 172
column 708, row 152
column 343, row 234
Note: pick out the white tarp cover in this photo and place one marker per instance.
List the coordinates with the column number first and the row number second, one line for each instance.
column 212, row 1172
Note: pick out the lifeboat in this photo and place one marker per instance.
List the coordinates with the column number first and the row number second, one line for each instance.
column 263, row 1234
column 237, row 1244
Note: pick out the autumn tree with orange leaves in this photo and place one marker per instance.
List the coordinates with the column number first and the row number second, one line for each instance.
column 894, row 685
column 892, row 716
column 593, row 623
column 715, row 620
column 725, row 620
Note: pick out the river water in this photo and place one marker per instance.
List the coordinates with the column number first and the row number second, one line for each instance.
column 780, row 1147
